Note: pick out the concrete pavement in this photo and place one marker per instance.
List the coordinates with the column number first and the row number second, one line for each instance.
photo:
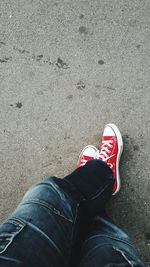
column 66, row 69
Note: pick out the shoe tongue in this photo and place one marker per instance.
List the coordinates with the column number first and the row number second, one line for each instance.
column 90, row 152
column 108, row 131
column 107, row 138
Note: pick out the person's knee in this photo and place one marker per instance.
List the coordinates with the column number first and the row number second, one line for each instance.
column 40, row 189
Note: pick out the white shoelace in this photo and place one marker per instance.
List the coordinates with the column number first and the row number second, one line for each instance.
column 104, row 152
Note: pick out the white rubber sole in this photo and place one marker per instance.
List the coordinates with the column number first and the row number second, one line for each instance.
column 120, row 150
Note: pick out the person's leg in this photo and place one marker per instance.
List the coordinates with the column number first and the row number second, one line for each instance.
column 107, row 245
column 40, row 232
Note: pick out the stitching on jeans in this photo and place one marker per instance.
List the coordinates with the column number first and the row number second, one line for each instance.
column 83, row 198
column 6, row 234
column 95, row 247
column 72, row 232
column 12, row 235
column 10, row 241
column 53, row 186
column 41, row 232
column 99, row 193
column 50, row 207
column 124, row 256
column 110, row 245
column 111, row 237
column 16, row 222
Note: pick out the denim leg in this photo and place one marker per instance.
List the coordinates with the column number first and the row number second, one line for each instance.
column 41, row 231
column 107, row 245
column 94, row 181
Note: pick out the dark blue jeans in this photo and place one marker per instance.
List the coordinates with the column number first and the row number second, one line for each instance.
column 61, row 222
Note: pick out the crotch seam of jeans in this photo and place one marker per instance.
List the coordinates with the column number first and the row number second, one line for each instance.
column 111, row 237
column 45, row 205
column 98, row 194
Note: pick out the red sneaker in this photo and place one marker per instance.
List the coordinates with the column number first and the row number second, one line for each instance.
column 111, row 148
column 88, row 153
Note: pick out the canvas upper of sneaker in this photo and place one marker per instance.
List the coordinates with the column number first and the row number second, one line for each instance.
column 88, row 153
column 110, row 151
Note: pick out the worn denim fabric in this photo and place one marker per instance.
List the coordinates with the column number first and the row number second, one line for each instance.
column 107, row 245
column 43, row 229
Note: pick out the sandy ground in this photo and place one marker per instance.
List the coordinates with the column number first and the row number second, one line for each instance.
column 66, row 69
